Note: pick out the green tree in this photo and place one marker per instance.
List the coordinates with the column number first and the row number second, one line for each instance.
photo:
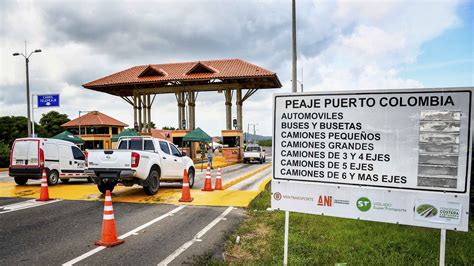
column 51, row 123
column 4, row 155
column 13, row 127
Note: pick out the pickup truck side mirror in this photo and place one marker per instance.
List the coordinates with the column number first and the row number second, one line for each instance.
column 263, row 149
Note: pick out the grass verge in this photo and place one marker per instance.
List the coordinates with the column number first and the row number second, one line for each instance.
column 316, row 240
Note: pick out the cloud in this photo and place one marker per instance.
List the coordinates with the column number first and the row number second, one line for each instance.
column 342, row 45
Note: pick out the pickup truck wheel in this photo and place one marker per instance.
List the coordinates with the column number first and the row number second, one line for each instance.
column 103, row 187
column 153, row 183
column 21, row 180
column 53, row 178
column 191, row 178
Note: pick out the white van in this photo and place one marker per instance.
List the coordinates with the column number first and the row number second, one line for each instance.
column 61, row 159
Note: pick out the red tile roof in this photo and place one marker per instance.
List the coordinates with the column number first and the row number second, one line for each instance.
column 94, row 118
column 219, row 69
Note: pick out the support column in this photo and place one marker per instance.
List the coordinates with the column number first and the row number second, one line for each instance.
column 144, row 109
column 181, row 109
column 135, row 109
column 238, row 102
column 149, row 112
column 228, row 108
column 191, row 109
column 139, row 99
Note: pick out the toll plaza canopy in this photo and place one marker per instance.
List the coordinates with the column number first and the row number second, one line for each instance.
column 139, row 86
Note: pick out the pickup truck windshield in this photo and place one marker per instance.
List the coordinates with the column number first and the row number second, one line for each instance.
column 253, row 149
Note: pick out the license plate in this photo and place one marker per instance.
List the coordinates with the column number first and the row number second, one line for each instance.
column 20, row 162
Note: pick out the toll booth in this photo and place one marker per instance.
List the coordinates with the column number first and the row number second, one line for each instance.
column 233, row 141
column 177, row 139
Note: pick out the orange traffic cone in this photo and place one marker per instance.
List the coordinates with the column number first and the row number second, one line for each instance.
column 207, row 181
column 185, row 192
column 44, row 193
column 218, row 180
column 109, row 233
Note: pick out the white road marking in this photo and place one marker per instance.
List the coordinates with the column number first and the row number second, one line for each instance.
column 25, row 205
column 133, row 232
column 197, row 238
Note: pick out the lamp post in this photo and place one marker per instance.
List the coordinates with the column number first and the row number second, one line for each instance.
column 27, row 60
column 254, row 132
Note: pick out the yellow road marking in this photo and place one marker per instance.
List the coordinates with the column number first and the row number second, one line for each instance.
column 246, row 176
column 135, row 194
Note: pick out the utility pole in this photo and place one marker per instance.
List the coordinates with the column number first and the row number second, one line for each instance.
column 293, row 46
column 27, row 60
column 294, row 81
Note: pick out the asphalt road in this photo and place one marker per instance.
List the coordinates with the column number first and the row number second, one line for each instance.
column 65, row 231
column 56, row 233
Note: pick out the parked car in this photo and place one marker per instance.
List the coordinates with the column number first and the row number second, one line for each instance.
column 144, row 161
column 254, row 153
column 61, row 160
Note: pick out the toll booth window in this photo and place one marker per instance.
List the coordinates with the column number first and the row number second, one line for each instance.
column 149, row 145
column 123, row 145
column 178, row 141
column 164, row 147
column 231, row 142
column 175, row 151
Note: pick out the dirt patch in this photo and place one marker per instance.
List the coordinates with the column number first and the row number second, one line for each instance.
column 252, row 242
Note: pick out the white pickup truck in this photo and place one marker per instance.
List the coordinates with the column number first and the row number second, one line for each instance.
column 144, row 161
column 254, row 152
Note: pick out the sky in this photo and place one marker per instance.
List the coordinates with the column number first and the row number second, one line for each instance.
column 342, row 45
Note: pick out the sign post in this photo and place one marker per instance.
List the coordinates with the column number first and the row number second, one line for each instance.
column 42, row 101
column 442, row 247
column 396, row 156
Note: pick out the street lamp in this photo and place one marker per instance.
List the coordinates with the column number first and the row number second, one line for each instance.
column 254, row 132
column 27, row 60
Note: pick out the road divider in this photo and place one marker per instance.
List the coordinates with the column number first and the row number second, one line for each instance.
column 218, row 185
column 44, row 194
column 185, row 191
column 109, row 232
column 208, row 180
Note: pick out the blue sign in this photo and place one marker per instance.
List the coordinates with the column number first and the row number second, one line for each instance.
column 48, row 100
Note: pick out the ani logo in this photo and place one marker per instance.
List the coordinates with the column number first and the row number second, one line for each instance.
column 325, row 201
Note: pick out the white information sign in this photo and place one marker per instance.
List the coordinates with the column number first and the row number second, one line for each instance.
column 397, row 156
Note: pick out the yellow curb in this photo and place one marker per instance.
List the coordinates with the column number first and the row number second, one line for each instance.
column 215, row 165
column 242, row 178
column 3, row 169
column 264, row 184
